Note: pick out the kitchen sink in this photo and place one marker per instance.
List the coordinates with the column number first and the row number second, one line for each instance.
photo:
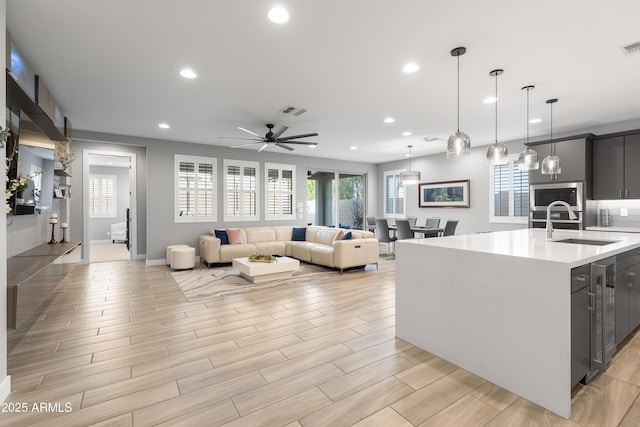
column 587, row 242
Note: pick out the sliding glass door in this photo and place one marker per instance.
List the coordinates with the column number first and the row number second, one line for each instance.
column 336, row 199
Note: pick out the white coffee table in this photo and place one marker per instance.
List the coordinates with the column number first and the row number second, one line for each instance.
column 259, row 272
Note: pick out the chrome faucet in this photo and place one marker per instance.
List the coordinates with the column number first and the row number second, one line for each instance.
column 549, row 224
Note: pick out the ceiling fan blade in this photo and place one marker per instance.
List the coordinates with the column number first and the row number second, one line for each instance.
column 280, row 131
column 263, row 147
column 247, row 139
column 245, row 145
column 284, row 146
column 288, row 138
column 248, row 131
column 301, row 142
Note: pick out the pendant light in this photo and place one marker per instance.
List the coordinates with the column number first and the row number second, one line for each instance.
column 528, row 159
column 551, row 164
column 459, row 143
column 497, row 153
column 410, row 176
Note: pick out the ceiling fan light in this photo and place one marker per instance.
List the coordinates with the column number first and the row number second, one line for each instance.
column 410, row 177
column 497, row 154
column 528, row 160
column 551, row 165
column 458, row 145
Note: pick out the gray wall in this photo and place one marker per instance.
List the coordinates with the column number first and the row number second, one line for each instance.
column 5, row 381
column 155, row 185
column 100, row 228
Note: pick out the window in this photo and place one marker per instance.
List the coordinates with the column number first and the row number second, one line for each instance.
column 394, row 199
column 195, row 192
column 241, row 191
column 102, row 196
column 280, row 191
column 509, row 192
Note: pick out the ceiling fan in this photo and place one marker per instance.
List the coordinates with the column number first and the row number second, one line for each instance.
column 273, row 138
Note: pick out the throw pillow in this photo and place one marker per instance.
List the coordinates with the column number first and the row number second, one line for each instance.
column 222, row 235
column 299, row 234
column 348, row 236
column 235, row 236
column 340, row 235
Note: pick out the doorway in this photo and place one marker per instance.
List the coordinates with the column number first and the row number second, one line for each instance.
column 109, row 202
column 336, row 199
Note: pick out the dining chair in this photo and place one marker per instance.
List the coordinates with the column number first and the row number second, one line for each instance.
column 403, row 229
column 371, row 224
column 433, row 222
column 450, row 227
column 412, row 220
column 382, row 233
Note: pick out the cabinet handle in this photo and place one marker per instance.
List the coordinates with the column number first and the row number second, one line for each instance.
column 592, row 302
column 632, row 278
column 621, row 193
column 626, row 193
column 582, row 278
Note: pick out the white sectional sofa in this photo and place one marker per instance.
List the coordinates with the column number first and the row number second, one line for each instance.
column 321, row 245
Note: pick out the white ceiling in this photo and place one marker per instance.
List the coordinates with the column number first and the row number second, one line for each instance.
column 113, row 66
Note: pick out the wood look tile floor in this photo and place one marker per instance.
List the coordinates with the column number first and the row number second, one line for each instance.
column 119, row 345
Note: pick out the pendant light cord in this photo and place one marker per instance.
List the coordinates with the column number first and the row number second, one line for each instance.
column 496, row 107
column 553, row 144
column 458, row 93
column 528, row 117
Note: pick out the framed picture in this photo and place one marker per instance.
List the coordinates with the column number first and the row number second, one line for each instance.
column 447, row 194
column 64, row 190
column 58, row 193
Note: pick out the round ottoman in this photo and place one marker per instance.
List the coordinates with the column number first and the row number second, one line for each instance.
column 182, row 258
column 170, row 248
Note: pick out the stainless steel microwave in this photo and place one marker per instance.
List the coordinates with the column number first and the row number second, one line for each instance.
column 541, row 195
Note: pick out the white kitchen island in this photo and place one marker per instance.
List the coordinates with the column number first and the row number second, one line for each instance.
column 499, row 304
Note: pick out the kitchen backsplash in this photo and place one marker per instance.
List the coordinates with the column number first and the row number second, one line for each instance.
column 617, row 210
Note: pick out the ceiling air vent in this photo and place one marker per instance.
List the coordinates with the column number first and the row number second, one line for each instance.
column 293, row 111
column 631, row 49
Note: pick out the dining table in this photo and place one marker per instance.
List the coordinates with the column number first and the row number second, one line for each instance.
column 420, row 229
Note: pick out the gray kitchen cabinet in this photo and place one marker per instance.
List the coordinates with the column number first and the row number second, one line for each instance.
column 627, row 294
column 574, row 157
column 580, row 323
column 616, row 174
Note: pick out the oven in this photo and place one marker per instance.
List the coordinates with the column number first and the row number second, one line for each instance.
column 541, row 195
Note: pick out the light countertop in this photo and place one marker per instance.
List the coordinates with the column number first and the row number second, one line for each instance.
column 531, row 243
column 616, row 229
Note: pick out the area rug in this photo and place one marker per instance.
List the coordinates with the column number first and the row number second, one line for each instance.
column 202, row 282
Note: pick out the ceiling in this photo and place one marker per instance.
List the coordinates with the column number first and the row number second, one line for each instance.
column 112, row 66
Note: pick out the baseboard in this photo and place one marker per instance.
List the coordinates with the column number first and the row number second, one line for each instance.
column 5, row 388
column 100, row 241
column 138, row 257
column 156, row 262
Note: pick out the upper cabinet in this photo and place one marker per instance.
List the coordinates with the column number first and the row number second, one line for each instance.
column 575, row 160
column 616, row 174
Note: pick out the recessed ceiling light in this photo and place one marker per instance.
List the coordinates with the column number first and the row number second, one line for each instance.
column 313, row 146
column 278, row 15
column 164, row 126
column 407, row 133
column 411, row 67
column 353, row 147
column 188, row 73
column 389, row 120
column 408, row 155
column 490, row 100
column 535, row 120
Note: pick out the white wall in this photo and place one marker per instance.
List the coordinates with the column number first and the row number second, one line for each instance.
column 5, row 380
